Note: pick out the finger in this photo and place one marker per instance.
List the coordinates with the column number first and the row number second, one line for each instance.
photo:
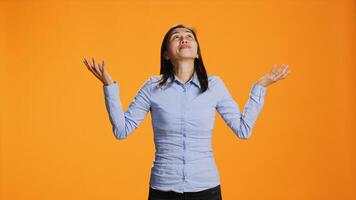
column 101, row 68
column 97, row 70
column 285, row 74
column 93, row 61
column 284, row 69
column 96, row 67
column 281, row 75
column 274, row 68
column 280, row 69
column 271, row 74
column 94, row 72
column 104, row 68
column 92, row 69
column 86, row 63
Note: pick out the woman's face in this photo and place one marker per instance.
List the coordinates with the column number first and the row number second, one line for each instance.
column 181, row 45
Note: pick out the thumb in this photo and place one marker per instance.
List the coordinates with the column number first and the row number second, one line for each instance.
column 274, row 68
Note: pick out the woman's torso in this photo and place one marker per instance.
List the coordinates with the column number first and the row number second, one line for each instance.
column 183, row 121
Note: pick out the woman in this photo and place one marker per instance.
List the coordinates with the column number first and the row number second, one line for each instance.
column 183, row 101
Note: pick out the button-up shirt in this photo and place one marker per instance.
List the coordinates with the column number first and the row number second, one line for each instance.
column 183, row 120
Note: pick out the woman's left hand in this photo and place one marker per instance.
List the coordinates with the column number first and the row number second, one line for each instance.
column 274, row 75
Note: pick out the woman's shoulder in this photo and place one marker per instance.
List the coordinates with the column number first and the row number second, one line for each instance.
column 211, row 77
column 214, row 79
column 156, row 77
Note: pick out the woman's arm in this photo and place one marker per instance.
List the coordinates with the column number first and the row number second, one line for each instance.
column 124, row 123
column 240, row 123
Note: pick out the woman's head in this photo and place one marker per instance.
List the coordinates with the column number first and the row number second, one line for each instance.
column 181, row 42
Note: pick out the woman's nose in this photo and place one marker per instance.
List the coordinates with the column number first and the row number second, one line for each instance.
column 184, row 41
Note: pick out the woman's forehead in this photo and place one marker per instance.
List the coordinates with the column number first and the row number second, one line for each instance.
column 177, row 30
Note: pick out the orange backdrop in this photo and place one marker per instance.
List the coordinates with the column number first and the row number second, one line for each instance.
column 56, row 138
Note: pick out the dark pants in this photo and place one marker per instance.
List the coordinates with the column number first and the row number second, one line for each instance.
column 208, row 194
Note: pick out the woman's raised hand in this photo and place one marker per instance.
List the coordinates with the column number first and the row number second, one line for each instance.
column 274, row 75
column 99, row 71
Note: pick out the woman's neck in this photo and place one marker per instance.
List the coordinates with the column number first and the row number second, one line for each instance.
column 184, row 70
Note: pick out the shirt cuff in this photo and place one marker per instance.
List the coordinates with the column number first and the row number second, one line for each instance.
column 112, row 90
column 258, row 90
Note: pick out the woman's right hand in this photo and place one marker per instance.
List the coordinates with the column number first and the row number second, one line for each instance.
column 99, row 71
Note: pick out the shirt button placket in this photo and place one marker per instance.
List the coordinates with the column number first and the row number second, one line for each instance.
column 184, row 128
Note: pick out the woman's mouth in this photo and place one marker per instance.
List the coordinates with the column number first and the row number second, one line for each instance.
column 183, row 46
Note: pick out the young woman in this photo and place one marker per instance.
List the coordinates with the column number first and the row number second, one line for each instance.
column 183, row 101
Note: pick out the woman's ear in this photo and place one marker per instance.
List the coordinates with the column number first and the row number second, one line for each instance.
column 166, row 55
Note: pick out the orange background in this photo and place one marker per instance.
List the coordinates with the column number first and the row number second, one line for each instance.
column 56, row 138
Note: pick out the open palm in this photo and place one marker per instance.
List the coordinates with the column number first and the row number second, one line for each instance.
column 274, row 75
column 99, row 71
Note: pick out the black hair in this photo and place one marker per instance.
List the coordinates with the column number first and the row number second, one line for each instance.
column 167, row 70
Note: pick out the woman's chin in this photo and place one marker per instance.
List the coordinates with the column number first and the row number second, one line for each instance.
column 186, row 56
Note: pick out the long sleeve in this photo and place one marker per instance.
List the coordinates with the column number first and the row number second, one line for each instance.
column 124, row 123
column 240, row 123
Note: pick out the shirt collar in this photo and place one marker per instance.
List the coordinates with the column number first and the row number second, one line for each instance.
column 194, row 79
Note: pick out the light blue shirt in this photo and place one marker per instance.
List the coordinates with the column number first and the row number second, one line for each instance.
column 183, row 121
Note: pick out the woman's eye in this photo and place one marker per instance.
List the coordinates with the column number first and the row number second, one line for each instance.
column 177, row 36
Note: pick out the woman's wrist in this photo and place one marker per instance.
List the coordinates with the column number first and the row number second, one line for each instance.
column 108, row 83
column 261, row 84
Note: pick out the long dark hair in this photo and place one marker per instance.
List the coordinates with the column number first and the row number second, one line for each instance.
column 167, row 67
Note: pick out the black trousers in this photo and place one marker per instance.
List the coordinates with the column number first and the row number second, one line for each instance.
column 208, row 194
